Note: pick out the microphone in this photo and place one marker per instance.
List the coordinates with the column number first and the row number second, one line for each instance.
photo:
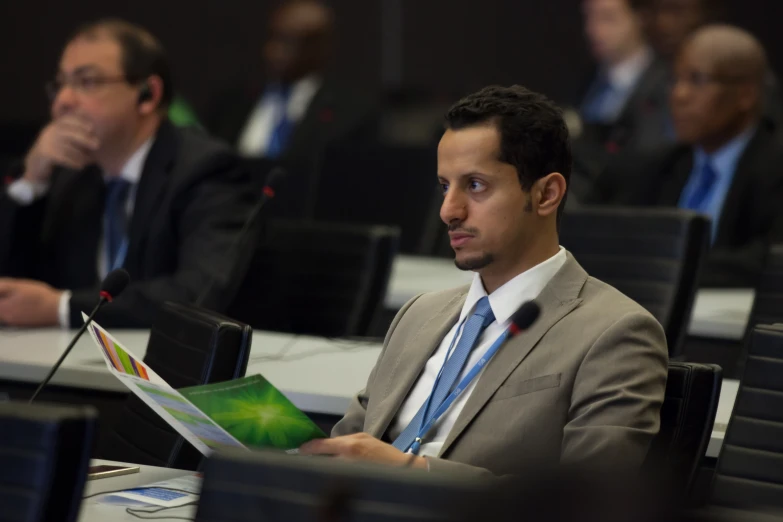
column 268, row 192
column 524, row 317
column 112, row 286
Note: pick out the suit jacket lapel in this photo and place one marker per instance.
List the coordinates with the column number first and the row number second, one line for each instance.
column 557, row 299
column 410, row 364
column 152, row 185
column 676, row 172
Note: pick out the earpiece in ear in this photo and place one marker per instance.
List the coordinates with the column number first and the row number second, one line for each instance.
column 145, row 94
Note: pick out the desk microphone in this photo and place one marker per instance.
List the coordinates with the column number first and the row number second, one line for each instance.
column 268, row 192
column 112, row 286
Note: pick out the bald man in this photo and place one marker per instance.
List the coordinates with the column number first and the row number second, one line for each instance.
column 728, row 164
column 295, row 109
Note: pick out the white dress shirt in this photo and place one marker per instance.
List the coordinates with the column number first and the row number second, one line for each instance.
column 255, row 137
column 504, row 302
column 624, row 76
column 24, row 193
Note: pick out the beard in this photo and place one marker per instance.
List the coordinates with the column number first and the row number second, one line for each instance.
column 475, row 262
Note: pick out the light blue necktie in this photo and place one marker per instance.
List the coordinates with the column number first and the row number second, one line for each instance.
column 116, row 220
column 477, row 323
column 704, row 183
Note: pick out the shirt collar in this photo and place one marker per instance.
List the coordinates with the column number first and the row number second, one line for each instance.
column 131, row 171
column 724, row 160
column 509, row 297
column 302, row 93
column 625, row 74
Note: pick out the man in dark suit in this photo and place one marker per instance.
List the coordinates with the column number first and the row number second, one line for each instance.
column 300, row 110
column 729, row 164
column 111, row 183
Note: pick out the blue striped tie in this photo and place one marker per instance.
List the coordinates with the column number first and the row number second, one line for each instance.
column 477, row 323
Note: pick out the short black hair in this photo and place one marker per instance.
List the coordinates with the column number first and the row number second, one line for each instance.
column 533, row 135
column 142, row 54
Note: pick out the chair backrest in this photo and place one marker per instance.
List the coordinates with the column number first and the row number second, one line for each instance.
column 249, row 486
column 44, row 454
column 354, row 188
column 317, row 278
column 188, row 346
column 652, row 255
column 687, row 417
column 749, row 472
column 768, row 303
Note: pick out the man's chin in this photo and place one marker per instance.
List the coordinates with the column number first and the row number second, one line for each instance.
column 473, row 262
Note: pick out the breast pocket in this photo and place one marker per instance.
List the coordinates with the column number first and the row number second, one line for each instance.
column 517, row 388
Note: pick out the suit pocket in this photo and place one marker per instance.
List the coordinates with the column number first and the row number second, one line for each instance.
column 514, row 389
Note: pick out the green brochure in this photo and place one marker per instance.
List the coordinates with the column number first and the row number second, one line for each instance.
column 256, row 413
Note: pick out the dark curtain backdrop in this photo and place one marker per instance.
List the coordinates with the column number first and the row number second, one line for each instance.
column 447, row 46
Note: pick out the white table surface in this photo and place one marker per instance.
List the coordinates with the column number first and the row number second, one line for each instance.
column 94, row 511
column 317, row 375
column 717, row 313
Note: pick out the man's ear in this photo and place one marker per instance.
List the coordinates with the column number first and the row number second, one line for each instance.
column 150, row 95
column 548, row 193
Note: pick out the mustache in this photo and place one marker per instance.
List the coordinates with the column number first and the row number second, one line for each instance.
column 457, row 227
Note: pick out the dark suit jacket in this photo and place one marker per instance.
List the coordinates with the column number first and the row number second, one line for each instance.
column 335, row 114
column 750, row 219
column 191, row 201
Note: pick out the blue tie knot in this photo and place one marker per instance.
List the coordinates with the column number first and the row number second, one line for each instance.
column 483, row 309
column 117, row 189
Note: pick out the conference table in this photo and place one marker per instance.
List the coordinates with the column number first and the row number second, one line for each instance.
column 318, row 375
column 94, row 510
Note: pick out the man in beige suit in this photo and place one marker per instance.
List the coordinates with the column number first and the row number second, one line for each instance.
column 583, row 385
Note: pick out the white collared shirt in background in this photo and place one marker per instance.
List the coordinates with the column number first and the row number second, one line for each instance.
column 24, row 192
column 623, row 77
column 255, row 137
column 504, row 302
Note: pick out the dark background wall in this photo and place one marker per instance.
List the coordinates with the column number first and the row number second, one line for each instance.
column 448, row 46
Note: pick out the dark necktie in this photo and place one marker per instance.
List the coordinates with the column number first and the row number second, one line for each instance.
column 116, row 217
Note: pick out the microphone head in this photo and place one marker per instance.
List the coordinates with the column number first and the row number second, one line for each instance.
column 524, row 317
column 114, row 283
column 274, row 177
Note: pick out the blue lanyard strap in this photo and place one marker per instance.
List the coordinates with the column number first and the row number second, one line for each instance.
column 426, row 425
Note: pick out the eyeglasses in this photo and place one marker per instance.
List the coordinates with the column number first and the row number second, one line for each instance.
column 81, row 84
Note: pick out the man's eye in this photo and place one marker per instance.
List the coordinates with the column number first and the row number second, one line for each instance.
column 444, row 187
column 477, row 186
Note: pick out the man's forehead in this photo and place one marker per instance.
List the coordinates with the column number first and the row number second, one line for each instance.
column 91, row 52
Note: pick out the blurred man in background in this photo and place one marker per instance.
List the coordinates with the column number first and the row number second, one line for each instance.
column 111, row 183
column 669, row 23
column 300, row 110
column 625, row 105
column 729, row 164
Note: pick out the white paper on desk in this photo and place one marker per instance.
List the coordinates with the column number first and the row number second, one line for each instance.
column 178, row 412
column 187, row 491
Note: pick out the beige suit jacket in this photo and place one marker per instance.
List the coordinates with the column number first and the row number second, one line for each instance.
column 583, row 386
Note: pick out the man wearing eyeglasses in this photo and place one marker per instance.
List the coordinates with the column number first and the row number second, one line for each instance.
column 729, row 164
column 111, row 183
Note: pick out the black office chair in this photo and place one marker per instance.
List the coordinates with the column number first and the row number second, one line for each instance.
column 355, row 182
column 749, row 472
column 687, row 417
column 768, row 303
column 243, row 486
column 652, row 255
column 44, row 455
column 188, row 346
column 317, row 278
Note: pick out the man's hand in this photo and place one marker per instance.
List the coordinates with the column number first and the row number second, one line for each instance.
column 69, row 141
column 28, row 303
column 361, row 446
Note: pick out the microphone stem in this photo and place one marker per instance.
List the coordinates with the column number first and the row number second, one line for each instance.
column 68, row 349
